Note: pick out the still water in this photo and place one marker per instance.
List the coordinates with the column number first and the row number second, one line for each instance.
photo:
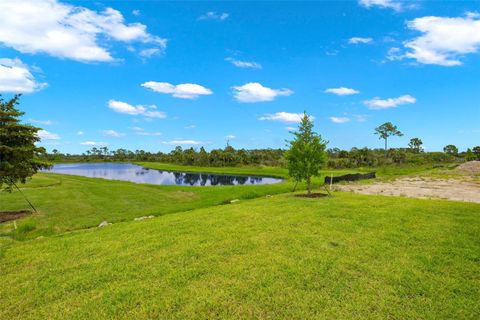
column 138, row 174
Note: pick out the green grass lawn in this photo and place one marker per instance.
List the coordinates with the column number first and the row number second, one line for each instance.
column 283, row 257
column 68, row 203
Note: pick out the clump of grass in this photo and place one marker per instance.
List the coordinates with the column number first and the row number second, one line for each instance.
column 23, row 229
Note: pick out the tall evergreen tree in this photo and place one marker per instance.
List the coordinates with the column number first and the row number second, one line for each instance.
column 307, row 154
column 19, row 156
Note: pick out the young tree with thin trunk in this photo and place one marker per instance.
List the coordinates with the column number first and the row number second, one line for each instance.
column 19, row 156
column 387, row 130
column 306, row 155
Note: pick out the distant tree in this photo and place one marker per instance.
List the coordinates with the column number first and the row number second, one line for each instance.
column 387, row 130
column 469, row 155
column 415, row 145
column 306, row 155
column 19, row 156
column 451, row 149
column 476, row 152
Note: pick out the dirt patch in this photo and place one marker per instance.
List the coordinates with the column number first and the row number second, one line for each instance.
column 311, row 195
column 427, row 188
column 13, row 215
column 470, row 167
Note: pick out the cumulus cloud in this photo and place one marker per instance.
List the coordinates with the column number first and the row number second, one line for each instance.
column 94, row 143
column 184, row 142
column 182, row 91
column 211, row 15
column 444, row 40
column 357, row 40
column 113, row 133
column 392, row 4
column 139, row 110
column 285, row 117
column 244, row 64
column 15, row 77
column 46, row 135
column 67, row 31
column 339, row 119
column 342, row 91
column 80, row 133
column 255, row 92
column 377, row 103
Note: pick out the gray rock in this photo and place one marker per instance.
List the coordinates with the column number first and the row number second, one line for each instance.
column 103, row 224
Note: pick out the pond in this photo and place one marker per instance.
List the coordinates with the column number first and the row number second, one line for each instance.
column 138, row 174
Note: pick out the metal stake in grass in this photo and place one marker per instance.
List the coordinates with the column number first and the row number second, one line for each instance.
column 25, row 197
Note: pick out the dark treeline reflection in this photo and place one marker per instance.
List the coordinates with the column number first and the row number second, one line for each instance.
column 138, row 174
column 203, row 179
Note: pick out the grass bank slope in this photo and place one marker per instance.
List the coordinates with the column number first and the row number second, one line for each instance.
column 350, row 256
column 68, row 202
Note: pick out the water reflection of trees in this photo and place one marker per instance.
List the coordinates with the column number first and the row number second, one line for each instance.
column 202, row 179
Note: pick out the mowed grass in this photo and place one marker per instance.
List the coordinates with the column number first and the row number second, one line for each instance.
column 283, row 257
column 67, row 202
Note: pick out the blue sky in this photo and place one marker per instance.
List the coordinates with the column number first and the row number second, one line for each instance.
column 152, row 74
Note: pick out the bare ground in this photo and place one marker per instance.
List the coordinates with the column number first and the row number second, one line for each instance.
column 427, row 188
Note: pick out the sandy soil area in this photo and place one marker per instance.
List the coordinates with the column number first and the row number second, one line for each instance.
column 427, row 188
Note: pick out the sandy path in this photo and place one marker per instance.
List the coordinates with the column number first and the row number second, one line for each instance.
column 427, row 188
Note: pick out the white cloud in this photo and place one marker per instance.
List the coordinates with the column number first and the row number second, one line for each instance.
column 184, row 142
column 42, row 122
column 80, row 133
column 113, row 133
column 444, row 39
column 15, row 77
column 46, row 135
column 395, row 54
column 244, row 64
column 255, row 92
column 136, row 12
column 285, row 117
column 147, row 53
column 377, row 103
column 142, row 132
column 211, row 15
column 182, row 91
column 357, row 40
column 67, row 31
column 192, row 126
column 339, row 119
column 392, row 4
column 291, row 128
column 342, row 91
column 230, row 137
column 123, row 107
column 94, row 143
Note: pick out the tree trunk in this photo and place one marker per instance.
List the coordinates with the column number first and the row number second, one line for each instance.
column 385, row 145
column 309, row 185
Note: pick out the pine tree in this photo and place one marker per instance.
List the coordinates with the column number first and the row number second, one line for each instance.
column 19, row 156
column 307, row 154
